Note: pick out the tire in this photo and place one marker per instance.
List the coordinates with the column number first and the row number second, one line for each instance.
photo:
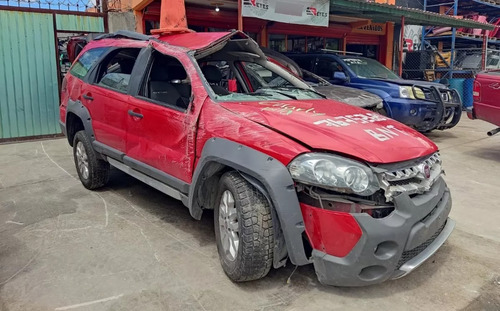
column 250, row 214
column 96, row 173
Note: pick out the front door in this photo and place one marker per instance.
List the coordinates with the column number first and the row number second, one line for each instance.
column 161, row 120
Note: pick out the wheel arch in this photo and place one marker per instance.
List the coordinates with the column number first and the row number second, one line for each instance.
column 77, row 119
column 266, row 174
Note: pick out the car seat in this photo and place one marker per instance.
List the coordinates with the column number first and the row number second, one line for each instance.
column 160, row 89
column 214, row 77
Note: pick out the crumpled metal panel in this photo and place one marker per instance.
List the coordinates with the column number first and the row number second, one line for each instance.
column 29, row 98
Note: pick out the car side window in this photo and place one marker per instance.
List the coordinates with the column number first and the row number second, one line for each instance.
column 326, row 67
column 167, row 82
column 305, row 62
column 83, row 64
column 114, row 71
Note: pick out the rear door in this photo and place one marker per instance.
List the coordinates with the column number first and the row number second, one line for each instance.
column 108, row 96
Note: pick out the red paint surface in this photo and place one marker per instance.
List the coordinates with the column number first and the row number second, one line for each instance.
column 197, row 40
column 487, row 105
column 298, row 117
column 334, row 233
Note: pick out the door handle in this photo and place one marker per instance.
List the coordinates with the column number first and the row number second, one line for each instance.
column 135, row 114
column 88, row 97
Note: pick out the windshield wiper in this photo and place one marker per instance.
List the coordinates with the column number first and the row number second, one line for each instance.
column 309, row 90
column 275, row 91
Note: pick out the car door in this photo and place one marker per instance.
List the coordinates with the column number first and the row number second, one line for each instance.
column 161, row 117
column 108, row 95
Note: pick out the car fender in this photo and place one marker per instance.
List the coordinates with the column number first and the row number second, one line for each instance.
column 264, row 172
column 77, row 108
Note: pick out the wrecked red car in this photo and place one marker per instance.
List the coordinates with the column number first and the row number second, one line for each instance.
column 292, row 177
column 486, row 105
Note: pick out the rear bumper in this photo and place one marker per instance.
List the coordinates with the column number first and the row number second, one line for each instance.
column 393, row 246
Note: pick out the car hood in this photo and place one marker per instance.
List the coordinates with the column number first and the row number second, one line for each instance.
column 351, row 96
column 416, row 82
column 332, row 126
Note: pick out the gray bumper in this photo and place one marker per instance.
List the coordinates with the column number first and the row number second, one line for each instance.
column 63, row 128
column 393, row 246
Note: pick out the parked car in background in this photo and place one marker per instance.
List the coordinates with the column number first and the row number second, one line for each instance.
column 354, row 97
column 425, row 106
column 486, row 94
column 291, row 176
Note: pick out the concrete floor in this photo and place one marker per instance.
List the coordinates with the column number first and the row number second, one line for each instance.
column 129, row 247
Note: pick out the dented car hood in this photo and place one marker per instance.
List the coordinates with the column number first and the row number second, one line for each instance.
column 332, row 126
column 349, row 95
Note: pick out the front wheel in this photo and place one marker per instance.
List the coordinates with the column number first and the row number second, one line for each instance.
column 243, row 229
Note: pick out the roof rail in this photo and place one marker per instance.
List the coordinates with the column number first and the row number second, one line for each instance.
column 125, row 34
column 343, row 52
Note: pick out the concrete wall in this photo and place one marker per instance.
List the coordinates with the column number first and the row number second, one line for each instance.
column 121, row 21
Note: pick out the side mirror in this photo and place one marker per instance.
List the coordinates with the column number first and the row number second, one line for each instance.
column 339, row 75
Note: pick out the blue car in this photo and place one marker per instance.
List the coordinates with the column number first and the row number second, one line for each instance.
column 422, row 105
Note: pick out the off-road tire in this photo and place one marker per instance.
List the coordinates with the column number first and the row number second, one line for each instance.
column 98, row 169
column 256, row 236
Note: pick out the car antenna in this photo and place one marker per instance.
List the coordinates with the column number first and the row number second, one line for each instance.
column 337, row 51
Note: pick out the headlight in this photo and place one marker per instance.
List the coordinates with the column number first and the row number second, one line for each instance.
column 334, row 172
column 406, row 92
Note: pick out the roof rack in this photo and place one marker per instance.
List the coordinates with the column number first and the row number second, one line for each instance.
column 343, row 52
column 125, row 34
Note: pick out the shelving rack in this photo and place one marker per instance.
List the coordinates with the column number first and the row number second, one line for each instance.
column 455, row 39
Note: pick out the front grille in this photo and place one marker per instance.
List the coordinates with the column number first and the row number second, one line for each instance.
column 413, row 180
column 416, row 178
column 410, row 254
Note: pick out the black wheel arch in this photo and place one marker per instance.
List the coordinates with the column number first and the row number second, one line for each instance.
column 77, row 119
column 266, row 174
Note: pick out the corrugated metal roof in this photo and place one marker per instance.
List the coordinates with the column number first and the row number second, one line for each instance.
column 380, row 12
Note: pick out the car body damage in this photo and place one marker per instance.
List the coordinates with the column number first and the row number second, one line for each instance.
column 486, row 106
column 207, row 119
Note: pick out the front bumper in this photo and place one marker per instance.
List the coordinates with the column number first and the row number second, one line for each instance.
column 393, row 246
column 426, row 115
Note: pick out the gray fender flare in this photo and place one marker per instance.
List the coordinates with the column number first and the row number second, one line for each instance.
column 82, row 112
column 259, row 169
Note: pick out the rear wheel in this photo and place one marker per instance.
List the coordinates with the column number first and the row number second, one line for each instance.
column 243, row 229
column 93, row 172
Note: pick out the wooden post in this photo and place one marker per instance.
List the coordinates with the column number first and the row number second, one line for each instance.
column 401, row 45
column 240, row 16
column 344, row 44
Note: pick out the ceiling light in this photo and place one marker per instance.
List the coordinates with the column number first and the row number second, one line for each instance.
column 217, row 8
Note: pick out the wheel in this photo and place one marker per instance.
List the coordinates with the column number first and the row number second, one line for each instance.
column 243, row 229
column 93, row 172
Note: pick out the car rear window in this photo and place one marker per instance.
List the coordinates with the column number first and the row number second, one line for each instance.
column 82, row 66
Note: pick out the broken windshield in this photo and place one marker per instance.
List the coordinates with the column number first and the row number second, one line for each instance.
column 254, row 80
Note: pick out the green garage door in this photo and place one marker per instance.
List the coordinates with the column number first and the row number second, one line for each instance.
column 29, row 89
column 29, row 97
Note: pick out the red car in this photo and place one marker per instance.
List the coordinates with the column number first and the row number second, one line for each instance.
column 291, row 176
column 486, row 105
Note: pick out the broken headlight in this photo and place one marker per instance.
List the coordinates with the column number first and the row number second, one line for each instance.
column 334, row 172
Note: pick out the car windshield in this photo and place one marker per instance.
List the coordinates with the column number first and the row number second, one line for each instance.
column 254, row 81
column 369, row 68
